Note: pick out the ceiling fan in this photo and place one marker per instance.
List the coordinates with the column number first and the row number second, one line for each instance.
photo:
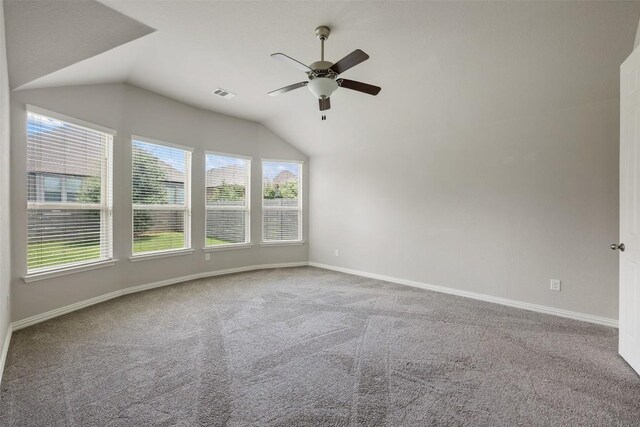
column 323, row 75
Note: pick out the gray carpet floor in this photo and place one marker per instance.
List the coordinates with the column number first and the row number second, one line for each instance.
column 310, row 347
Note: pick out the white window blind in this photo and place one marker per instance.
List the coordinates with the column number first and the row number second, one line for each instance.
column 281, row 201
column 69, row 194
column 227, row 199
column 161, row 185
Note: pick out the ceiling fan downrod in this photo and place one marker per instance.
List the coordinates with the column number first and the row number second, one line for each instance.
column 322, row 33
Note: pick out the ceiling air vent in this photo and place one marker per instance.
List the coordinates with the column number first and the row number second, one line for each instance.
column 223, row 93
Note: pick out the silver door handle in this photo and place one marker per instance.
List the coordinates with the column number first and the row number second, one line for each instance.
column 615, row 246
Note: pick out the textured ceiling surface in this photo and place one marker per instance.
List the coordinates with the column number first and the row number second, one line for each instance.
column 440, row 64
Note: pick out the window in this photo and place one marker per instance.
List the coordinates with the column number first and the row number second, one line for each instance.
column 52, row 189
column 161, row 196
column 227, row 200
column 69, row 200
column 281, row 201
column 47, row 187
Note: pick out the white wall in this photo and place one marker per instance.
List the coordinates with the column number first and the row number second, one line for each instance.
column 134, row 111
column 498, row 208
column 4, row 187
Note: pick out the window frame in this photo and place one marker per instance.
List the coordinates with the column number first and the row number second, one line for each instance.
column 299, row 208
column 187, row 248
column 248, row 241
column 105, row 206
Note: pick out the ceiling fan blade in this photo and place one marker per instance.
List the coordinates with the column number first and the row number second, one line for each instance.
column 287, row 88
column 325, row 104
column 359, row 86
column 289, row 60
column 351, row 60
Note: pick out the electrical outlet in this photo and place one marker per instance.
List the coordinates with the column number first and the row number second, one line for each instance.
column 555, row 284
column 336, row 252
column 207, row 257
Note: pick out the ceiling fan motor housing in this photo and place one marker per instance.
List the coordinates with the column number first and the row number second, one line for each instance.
column 321, row 66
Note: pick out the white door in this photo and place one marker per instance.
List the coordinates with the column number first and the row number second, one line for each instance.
column 629, row 245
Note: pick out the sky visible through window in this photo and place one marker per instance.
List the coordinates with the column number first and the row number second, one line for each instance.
column 174, row 157
column 43, row 125
column 220, row 161
column 270, row 169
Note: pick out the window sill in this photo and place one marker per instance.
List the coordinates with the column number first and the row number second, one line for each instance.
column 227, row 247
column 284, row 243
column 68, row 270
column 154, row 255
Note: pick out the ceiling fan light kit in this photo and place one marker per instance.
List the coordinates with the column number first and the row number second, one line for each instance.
column 323, row 75
column 322, row 87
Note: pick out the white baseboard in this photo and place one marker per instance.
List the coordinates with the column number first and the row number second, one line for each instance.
column 482, row 297
column 23, row 323
column 5, row 350
column 20, row 324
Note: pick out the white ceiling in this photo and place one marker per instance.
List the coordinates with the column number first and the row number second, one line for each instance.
column 45, row 36
column 440, row 64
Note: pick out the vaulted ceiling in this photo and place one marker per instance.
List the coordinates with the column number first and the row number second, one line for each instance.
column 441, row 65
column 46, row 36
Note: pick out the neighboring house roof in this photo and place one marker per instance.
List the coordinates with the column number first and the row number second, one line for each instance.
column 89, row 166
column 78, row 163
column 172, row 174
column 284, row 176
column 230, row 175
